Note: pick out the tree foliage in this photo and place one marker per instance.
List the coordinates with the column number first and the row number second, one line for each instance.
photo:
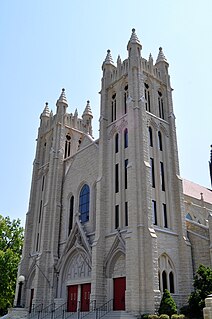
column 167, row 304
column 202, row 288
column 11, row 243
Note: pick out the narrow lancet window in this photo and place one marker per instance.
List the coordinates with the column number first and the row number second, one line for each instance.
column 160, row 105
column 152, row 172
column 150, row 137
column 71, row 213
column 154, row 212
column 125, row 138
column 147, row 97
column 162, row 178
column 125, row 172
column 160, row 144
column 68, row 146
column 116, row 216
column 113, row 108
column 125, row 98
column 84, row 202
column 116, row 143
column 117, row 178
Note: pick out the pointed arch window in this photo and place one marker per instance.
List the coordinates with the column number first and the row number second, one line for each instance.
column 171, row 282
column 113, row 108
column 68, row 146
column 166, row 273
column 71, row 214
column 164, row 280
column 125, row 138
column 160, row 143
column 84, row 202
column 160, row 105
column 147, row 97
column 150, row 137
column 116, row 143
column 125, row 98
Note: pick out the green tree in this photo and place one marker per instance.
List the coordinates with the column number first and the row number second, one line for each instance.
column 167, row 304
column 11, row 243
column 202, row 288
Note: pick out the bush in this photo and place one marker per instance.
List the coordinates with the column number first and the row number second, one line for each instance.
column 153, row 317
column 167, row 304
column 181, row 316
column 164, row 316
column 175, row 316
column 145, row 316
column 202, row 288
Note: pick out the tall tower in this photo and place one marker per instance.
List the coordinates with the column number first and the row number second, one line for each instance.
column 143, row 201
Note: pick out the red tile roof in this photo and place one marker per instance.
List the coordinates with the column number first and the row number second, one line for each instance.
column 194, row 190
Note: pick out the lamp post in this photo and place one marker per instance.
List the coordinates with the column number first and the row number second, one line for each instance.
column 20, row 284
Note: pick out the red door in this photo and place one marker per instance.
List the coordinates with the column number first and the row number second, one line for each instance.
column 72, row 298
column 85, row 297
column 119, row 287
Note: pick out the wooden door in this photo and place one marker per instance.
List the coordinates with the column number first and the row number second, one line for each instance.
column 119, row 287
column 72, row 298
column 85, row 297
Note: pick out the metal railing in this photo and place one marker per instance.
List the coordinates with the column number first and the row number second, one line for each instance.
column 61, row 312
column 104, row 309
column 35, row 310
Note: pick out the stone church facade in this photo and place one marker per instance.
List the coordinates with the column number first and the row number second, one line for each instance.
column 107, row 218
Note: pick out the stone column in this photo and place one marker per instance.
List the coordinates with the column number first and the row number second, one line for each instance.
column 207, row 311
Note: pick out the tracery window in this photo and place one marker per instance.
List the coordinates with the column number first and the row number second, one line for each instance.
column 84, row 202
column 166, row 273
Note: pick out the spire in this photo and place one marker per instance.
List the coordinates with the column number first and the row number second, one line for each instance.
column 134, row 39
column 76, row 113
column 161, row 57
column 150, row 58
column 62, row 98
column 46, row 111
column 87, row 110
column 108, row 59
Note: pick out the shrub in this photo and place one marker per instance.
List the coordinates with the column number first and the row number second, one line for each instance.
column 175, row 316
column 164, row 316
column 145, row 316
column 153, row 317
column 181, row 316
column 167, row 304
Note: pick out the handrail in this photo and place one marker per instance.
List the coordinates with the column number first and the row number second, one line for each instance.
column 35, row 310
column 48, row 309
column 92, row 308
column 104, row 309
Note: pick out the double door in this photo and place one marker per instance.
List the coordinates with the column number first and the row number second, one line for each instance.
column 84, row 290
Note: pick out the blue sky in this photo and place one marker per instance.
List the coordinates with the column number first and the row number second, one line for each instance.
column 46, row 45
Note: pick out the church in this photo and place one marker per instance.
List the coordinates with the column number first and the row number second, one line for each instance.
column 110, row 220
